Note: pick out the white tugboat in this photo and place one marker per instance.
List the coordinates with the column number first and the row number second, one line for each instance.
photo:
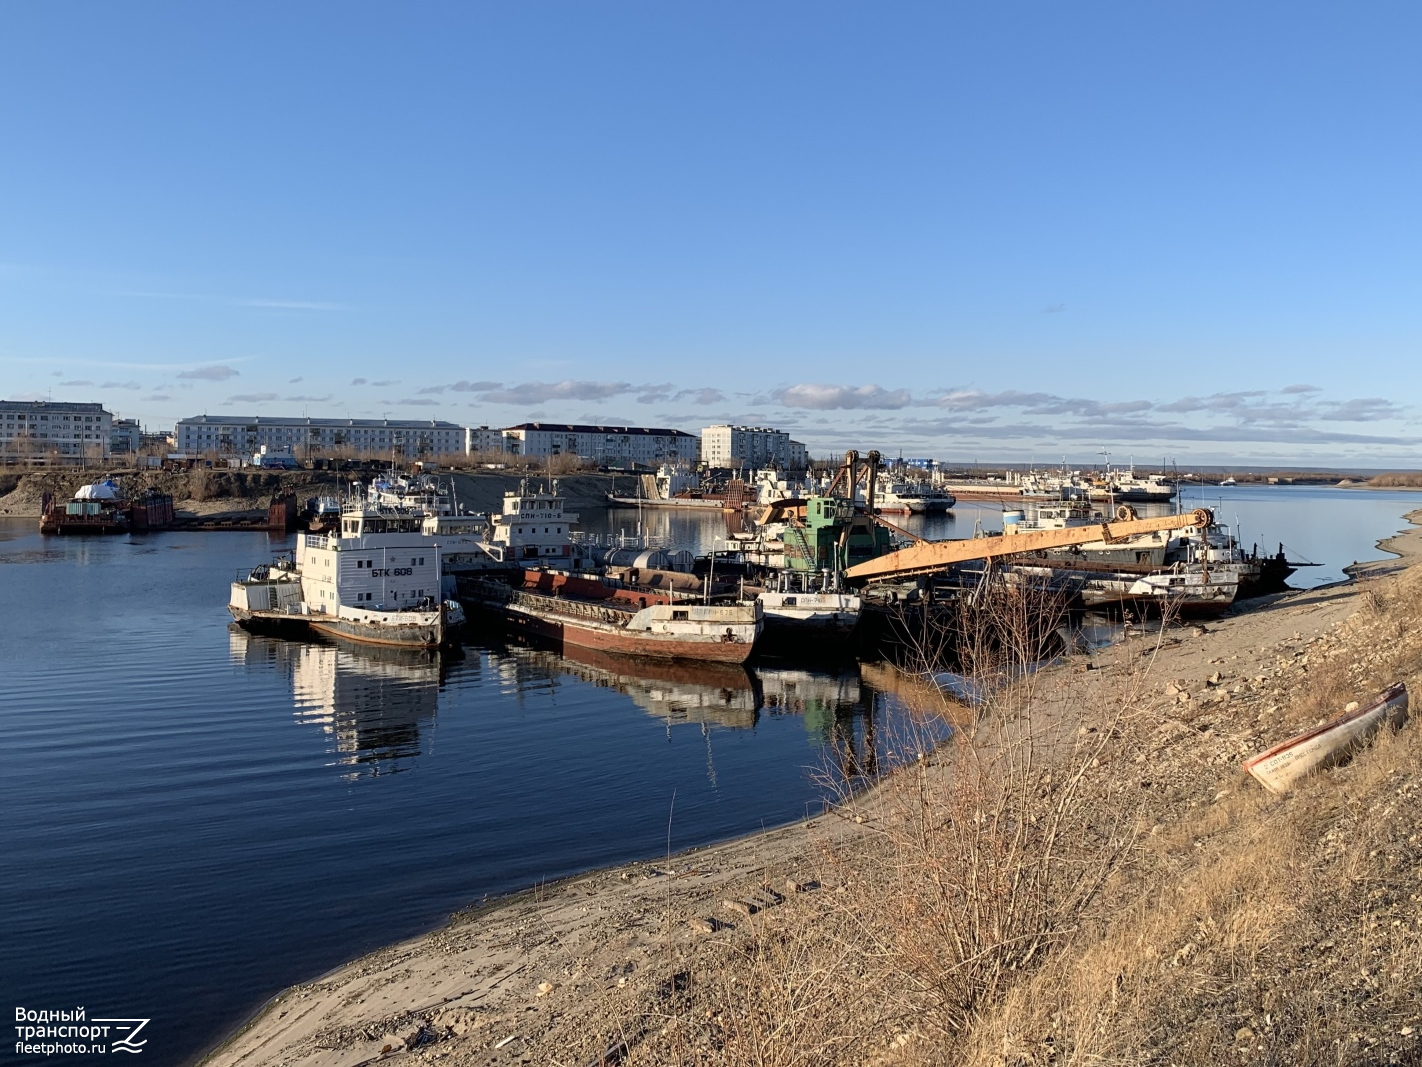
column 417, row 492
column 375, row 579
column 533, row 530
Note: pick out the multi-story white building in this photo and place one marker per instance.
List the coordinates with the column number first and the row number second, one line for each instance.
column 45, row 430
column 483, row 439
column 614, row 446
column 751, row 446
column 244, row 435
column 126, row 438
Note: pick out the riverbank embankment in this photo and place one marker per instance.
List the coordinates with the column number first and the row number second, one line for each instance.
column 1086, row 874
column 212, row 492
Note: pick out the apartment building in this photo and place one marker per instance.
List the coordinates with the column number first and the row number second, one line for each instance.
column 751, row 446
column 613, row 446
column 245, row 435
column 484, row 439
column 126, row 438
column 50, row 431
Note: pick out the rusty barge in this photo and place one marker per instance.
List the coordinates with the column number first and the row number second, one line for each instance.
column 103, row 508
column 588, row 613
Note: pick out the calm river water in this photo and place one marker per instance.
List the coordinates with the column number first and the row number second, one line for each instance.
column 194, row 818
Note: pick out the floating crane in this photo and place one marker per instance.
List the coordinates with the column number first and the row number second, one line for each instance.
column 929, row 556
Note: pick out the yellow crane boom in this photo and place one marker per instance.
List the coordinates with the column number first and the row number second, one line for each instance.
column 928, row 556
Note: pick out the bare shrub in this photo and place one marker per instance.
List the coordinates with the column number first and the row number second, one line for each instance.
column 993, row 849
column 1398, row 480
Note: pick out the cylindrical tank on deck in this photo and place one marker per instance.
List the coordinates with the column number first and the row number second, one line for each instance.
column 640, row 558
column 1012, row 518
column 681, row 560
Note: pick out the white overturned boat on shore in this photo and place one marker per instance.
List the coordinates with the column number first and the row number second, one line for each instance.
column 1278, row 768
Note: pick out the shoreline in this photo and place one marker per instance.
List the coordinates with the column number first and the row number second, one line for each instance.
column 538, row 975
column 1406, row 544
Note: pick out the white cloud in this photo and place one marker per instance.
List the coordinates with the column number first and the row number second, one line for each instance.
column 215, row 372
column 542, row 392
column 461, row 386
column 842, row 397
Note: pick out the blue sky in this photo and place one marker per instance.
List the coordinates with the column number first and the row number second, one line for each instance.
column 977, row 231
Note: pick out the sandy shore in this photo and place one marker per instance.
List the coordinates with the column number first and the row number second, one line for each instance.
column 1407, row 544
column 547, row 976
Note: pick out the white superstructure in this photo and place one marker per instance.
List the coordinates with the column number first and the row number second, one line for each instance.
column 534, row 531
column 897, row 497
column 379, row 559
column 377, row 578
column 772, row 485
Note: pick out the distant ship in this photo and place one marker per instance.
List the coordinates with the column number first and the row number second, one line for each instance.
column 896, row 497
column 681, row 487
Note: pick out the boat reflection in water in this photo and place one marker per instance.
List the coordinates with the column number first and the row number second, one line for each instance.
column 369, row 699
column 373, row 702
column 837, row 710
column 721, row 694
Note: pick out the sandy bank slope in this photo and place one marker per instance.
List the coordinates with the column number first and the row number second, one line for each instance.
column 607, row 944
column 648, row 956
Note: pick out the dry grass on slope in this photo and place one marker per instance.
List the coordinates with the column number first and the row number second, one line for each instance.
column 1055, row 891
column 1272, row 930
column 1287, row 933
column 939, row 889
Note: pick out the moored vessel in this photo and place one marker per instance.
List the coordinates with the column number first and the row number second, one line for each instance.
column 897, row 497
column 103, row 507
column 591, row 613
column 675, row 486
column 376, row 579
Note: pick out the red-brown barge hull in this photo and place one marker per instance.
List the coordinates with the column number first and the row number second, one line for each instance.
column 626, row 644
